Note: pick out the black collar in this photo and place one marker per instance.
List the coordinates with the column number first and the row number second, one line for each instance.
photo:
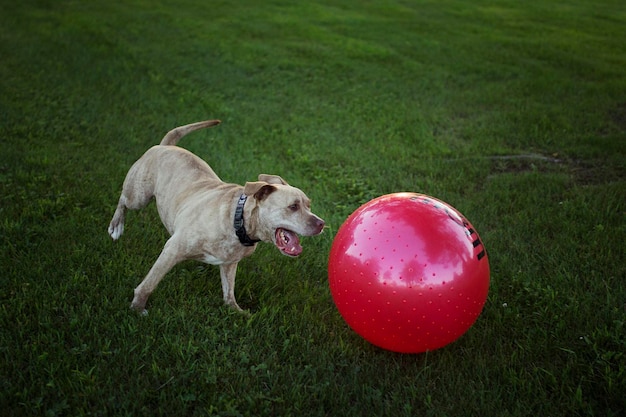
column 240, row 229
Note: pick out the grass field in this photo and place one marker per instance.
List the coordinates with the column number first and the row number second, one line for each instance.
column 512, row 112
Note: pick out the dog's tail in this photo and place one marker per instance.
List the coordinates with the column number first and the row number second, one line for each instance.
column 174, row 135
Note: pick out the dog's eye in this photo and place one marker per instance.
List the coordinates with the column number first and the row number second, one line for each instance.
column 294, row 207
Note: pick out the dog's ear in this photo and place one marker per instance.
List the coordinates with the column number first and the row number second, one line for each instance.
column 272, row 179
column 259, row 189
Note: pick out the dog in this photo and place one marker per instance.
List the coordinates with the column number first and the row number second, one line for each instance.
column 210, row 220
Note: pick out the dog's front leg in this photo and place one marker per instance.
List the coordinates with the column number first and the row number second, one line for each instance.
column 227, row 273
column 170, row 256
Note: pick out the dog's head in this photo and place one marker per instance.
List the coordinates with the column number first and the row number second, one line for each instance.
column 281, row 213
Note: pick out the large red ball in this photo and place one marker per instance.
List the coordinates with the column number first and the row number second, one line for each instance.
column 408, row 272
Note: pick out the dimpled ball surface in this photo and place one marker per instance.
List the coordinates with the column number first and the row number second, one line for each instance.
column 408, row 273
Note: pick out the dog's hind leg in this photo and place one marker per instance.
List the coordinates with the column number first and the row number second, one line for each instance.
column 137, row 192
column 116, row 227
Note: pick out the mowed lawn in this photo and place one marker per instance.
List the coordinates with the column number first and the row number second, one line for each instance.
column 512, row 112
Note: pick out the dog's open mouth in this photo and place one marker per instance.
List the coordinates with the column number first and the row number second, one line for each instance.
column 288, row 242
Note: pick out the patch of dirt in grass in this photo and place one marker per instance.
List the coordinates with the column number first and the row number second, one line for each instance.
column 618, row 116
column 596, row 172
column 501, row 164
column 583, row 172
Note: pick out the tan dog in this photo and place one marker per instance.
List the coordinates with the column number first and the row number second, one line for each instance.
column 210, row 220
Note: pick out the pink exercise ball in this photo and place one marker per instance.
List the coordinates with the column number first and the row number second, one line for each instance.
column 408, row 273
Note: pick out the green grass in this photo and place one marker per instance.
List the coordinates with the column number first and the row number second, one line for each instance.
column 513, row 112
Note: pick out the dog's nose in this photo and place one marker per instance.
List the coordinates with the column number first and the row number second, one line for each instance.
column 319, row 225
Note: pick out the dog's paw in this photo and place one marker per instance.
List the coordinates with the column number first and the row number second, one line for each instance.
column 115, row 231
column 141, row 311
column 234, row 307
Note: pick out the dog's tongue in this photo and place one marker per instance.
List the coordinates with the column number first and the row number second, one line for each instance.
column 288, row 242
